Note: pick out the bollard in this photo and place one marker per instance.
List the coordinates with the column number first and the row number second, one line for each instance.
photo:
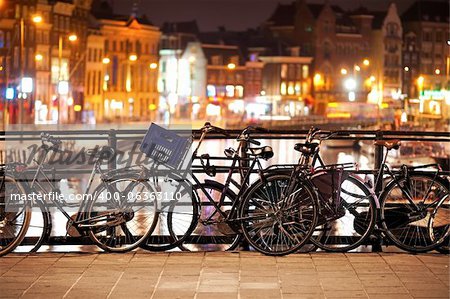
column 112, row 142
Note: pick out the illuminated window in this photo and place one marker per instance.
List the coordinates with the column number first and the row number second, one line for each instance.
column 305, row 72
column 229, row 91
column 239, row 91
column 284, row 70
column 291, row 88
column 283, row 88
column 211, row 91
column 298, row 89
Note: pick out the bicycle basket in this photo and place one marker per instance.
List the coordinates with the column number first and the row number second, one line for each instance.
column 165, row 147
column 328, row 183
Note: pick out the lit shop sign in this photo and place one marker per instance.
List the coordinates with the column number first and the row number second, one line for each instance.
column 434, row 94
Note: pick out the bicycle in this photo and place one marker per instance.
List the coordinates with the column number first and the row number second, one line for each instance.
column 114, row 216
column 409, row 202
column 224, row 211
column 348, row 208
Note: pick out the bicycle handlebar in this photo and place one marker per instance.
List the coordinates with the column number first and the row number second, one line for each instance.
column 45, row 137
column 207, row 127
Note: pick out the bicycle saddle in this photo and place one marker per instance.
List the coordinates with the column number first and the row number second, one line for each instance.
column 306, row 148
column 389, row 144
column 264, row 152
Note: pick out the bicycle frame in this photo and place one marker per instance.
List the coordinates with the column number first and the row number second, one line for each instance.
column 80, row 220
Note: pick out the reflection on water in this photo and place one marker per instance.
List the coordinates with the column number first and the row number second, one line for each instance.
column 284, row 153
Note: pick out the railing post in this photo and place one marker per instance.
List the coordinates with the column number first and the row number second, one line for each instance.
column 112, row 142
column 379, row 151
column 244, row 164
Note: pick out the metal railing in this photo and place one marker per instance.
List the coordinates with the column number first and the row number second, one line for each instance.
column 117, row 138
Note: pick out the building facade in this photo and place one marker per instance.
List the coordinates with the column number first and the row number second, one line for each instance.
column 130, row 56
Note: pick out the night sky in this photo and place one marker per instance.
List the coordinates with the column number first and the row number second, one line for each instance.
column 233, row 14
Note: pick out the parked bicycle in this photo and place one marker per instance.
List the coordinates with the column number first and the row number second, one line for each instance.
column 220, row 208
column 115, row 216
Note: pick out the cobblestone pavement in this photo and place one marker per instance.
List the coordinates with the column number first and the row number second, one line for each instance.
column 224, row 275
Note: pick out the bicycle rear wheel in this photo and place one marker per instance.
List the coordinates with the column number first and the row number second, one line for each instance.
column 15, row 214
column 356, row 219
column 406, row 222
column 212, row 233
column 276, row 223
column 122, row 213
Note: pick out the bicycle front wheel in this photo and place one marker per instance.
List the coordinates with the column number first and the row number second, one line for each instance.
column 277, row 223
column 406, row 208
column 15, row 214
column 212, row 232
column 177, row 214
column 439, row 225
column 122, row 213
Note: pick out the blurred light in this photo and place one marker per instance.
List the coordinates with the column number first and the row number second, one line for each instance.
column 153, row 65
column 213, row 110
column 70, row 101
column 437, row 71
column 191, row 59
column 77, row 108
column 350, row 84
column 404, row 117
column 63, row 87
column 37, row 18
column 231, row 66
column 372, row 78
column 357, row 68
column 343, row 71
column 406, row 69
column 73, row 37
column 1, row 68
column 26, row 85
column 152, row 107
column 106, row 60
column 420, row 80
column 351, row 96
column 384, row 105
column 366, row 62
column 133, row 57
column 263, row 92
column 333, row 104
column 130, row 100
column 9, row 95
column 339, row 115
column 448, row 42
column 317, row 79
column 106, row 77
column 38, row 57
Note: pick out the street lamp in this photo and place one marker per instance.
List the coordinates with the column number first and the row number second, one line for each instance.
column 344, row 71
column 133, row 57
column 231, row 66
column 366, row 62
column 153, row 66
column 37, row 19
column 106, row 60
column 71, row 38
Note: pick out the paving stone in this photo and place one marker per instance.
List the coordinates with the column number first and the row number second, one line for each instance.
column 225, row 275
